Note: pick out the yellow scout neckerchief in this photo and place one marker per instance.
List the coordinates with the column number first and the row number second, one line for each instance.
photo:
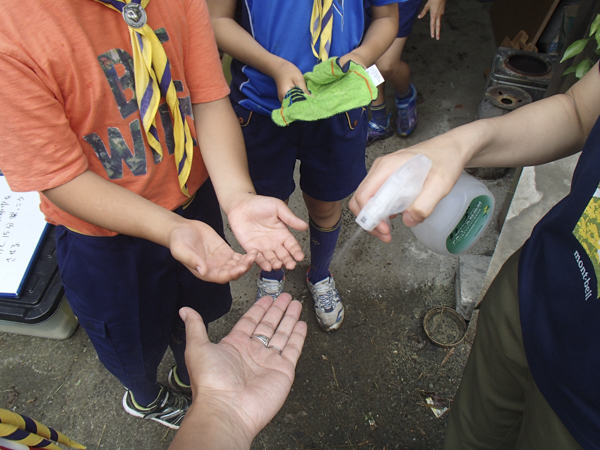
column 321, row 26
column 23, row 430
column 153, row 81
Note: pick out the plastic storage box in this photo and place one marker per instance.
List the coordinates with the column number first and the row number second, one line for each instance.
column 41, row 309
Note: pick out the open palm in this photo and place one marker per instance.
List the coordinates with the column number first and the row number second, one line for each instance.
column 239, row 377
column 261, row 224
column 197, row 246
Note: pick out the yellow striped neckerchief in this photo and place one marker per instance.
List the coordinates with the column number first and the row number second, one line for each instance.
column 153, row 80
column 321, row 26
column 26, row 431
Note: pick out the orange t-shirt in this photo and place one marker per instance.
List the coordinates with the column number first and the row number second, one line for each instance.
column 68, row 103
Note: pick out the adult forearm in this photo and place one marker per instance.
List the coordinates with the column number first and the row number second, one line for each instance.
column 107, row 205
column 535, row 134
column 209, row 428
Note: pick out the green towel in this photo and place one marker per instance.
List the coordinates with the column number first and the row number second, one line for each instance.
column 333, row 90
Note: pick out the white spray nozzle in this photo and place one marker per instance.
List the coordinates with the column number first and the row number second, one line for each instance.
column 396, row 194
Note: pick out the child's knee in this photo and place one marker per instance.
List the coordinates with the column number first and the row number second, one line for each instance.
column 391, row 66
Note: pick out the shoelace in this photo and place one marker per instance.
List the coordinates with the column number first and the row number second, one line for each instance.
column 375, row 126
column 326, row 300
column 172, row 405
column 269, row 286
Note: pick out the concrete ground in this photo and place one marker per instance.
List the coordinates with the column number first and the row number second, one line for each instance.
column 363, row 386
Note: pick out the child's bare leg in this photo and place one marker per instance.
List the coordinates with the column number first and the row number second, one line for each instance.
column 324, row 214
column 393, row 69
column 396, row 72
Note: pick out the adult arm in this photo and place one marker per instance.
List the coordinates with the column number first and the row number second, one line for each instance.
column 540, row 132
column 259, row 223
column 238, row 385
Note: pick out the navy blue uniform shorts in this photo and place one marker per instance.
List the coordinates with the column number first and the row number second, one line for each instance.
column 127, row 291
column 331, row 154
column 408, row 10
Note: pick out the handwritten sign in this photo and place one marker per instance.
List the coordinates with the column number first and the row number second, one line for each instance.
column 22, row 228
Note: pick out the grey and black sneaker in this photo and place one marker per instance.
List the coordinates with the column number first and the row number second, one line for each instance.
column 329, row 308
column 175, row 384
column 168, row 409
column 270, row 287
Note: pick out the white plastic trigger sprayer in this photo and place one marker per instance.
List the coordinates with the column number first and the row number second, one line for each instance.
column 455, row 224
column 396, row 194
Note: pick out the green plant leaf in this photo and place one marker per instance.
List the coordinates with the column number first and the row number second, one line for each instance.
column 574, row 49
column 583, row 67
column 595, row 25
column 570, row 70
column 597, row 41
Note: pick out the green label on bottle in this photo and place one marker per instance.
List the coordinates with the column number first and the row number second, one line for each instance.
column 471, row 225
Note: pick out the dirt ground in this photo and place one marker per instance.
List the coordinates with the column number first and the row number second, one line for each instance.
column 366, row 385
column 363, row 386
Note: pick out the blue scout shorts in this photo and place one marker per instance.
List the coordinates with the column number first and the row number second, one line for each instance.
column 331, row 154
column 126, row 293
column 408, row 12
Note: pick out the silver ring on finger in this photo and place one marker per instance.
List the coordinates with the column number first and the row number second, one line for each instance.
column 262, row 338
column 276, row 348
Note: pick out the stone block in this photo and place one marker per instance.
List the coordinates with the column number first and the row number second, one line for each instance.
column 470, row 278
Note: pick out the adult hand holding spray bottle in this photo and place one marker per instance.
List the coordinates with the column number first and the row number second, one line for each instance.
column 456, row 223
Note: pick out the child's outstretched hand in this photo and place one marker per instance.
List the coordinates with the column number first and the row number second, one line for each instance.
column 436, row 11
column 198, row 247
column 260, row 224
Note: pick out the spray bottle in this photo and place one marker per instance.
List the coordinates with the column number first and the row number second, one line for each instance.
column 456, row 223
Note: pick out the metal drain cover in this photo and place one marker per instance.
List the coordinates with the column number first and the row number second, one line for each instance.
column 527, row 65
column 507, row 97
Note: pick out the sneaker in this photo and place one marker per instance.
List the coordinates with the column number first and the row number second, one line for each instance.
column 377, row 132
column 329, row 308
column 407, row 113
column 269, row 287
column 168, row 409
column 175, row 384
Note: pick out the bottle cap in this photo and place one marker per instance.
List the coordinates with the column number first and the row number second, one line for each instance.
column 366, row 220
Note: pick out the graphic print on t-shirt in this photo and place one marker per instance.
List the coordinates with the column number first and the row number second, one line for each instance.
column 587, row 232
column 117, row 66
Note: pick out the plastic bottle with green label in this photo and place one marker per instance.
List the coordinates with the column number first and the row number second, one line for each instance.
column 459, row 219
column 456, row 223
